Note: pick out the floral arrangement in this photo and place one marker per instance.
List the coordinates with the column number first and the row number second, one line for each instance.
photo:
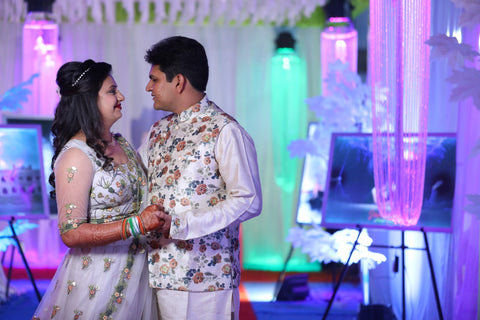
column 199, row 12
column 325, row 247
column 345, row 107
column 172, row 11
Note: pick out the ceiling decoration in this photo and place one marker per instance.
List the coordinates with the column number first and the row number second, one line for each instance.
column 199, row 12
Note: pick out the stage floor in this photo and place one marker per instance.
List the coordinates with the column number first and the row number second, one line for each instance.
column 256, row 299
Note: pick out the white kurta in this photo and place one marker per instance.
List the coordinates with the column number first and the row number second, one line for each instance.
column 202, row 168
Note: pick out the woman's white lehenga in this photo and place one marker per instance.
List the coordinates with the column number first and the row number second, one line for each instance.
column 111, row 281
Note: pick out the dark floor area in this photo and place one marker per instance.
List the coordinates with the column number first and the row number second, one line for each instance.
column 257, row 295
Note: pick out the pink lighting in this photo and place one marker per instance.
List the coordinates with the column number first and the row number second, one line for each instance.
column 40, row 55
column 399, row 74
column 339, row 41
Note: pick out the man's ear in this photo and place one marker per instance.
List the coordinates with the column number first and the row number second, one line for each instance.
column 180, row 82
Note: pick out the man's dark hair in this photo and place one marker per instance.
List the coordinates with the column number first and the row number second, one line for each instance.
column 181, row 55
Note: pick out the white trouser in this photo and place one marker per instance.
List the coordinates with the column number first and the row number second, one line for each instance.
column 185, row 305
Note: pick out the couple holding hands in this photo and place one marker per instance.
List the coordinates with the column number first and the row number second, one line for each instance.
column 152, row 233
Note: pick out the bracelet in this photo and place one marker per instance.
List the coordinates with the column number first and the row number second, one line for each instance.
column 134, row 228
column 143, row 224
column 125, row 228
column 140, row 224
column 123, row 231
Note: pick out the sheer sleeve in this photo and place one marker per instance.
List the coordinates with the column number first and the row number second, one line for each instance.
column 73, row 180
column 74, row 173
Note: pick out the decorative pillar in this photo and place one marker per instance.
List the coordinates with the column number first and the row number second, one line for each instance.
column 399, row 75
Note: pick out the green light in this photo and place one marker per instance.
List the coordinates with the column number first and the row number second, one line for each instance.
column 289, row 112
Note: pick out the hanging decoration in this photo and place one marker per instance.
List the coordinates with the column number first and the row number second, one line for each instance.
column 398, row 61
column 199, row 12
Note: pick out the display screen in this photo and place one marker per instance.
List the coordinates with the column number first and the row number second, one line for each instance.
column 22, row 180
column 47, row 146
column 348, row 200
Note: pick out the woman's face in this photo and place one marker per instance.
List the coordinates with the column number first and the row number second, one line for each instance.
column 109, row 102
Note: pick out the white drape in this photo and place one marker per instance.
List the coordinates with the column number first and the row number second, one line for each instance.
column 239, row 59
column 464, row 262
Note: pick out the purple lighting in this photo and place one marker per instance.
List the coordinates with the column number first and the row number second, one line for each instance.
column 40, row 47
column 339, row 41
column 399, row 75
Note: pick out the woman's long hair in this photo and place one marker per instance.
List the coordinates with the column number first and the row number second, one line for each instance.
column 77, row 110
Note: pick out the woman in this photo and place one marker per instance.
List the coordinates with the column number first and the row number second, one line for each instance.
column 98, row 183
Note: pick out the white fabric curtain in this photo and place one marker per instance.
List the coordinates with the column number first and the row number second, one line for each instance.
column 464, row 264
column 239, row 59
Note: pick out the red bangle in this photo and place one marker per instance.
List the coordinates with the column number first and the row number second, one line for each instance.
column 123, row 228
column 140, row 224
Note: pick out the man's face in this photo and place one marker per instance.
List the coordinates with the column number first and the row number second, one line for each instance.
column 162, row 91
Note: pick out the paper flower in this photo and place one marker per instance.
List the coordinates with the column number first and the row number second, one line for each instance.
column 346, row 107
column 6, row 234
column 467, row 85
column 324, row 247
column 174, row 12
column 456, row 53
column 13, row 98
column 470, row 14
column 474, row 206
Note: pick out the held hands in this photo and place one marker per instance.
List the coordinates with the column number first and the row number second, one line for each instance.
column 156, row 219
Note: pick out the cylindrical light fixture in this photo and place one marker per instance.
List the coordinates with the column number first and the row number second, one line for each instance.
column 40, row 56
column 289, row 111
column 399, row 75
column 339, row 41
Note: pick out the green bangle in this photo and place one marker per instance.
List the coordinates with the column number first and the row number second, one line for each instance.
column 132, row 229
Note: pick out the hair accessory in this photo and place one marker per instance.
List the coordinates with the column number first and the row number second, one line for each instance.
column 80, row 77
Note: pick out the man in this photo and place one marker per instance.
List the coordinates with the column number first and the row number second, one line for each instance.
column 202, row 168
